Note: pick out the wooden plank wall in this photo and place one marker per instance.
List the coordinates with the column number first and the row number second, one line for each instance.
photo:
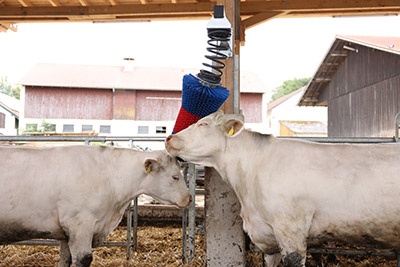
column 143, row 105
column 68, row 103
column 368, row 112
column 364, row 95
column 251, row 106
column 157, row 105
column 124, row 104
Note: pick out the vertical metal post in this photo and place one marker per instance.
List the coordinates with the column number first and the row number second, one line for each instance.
column 184, row 222
column 135, row 223
column 128, row 231
column 135, row 213
column 236, row 84
column 192, row 210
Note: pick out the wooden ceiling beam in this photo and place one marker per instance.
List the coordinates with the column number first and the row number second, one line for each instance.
column 25, row 3
column 84, row 2
column 54, row 2
column 8, row 26
column 258, row 19
column 252, row 12
column 316, row 5
column 344, row 13
column 143, row 10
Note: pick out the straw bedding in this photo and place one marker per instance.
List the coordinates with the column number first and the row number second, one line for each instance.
column 158, row 245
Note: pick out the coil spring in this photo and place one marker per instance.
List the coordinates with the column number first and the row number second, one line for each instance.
column 218, row 41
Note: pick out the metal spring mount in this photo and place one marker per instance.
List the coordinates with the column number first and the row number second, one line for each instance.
column 219, row 41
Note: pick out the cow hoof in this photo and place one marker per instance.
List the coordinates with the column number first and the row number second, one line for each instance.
column 292, row 260
column 86, row 260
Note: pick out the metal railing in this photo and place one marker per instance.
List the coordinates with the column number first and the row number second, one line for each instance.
column 132, row 225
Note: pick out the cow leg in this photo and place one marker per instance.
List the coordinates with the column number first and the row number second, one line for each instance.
column 65, row 255
column 272, row 260
column 291, row 232
column 80, row 246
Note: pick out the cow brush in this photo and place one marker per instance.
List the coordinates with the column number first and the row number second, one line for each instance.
column 203, row 94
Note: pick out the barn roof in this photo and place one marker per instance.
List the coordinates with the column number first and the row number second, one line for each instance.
column 118, row 77
column 336, row 54
column 306, row 127
column 10, row 104
column 279, row 101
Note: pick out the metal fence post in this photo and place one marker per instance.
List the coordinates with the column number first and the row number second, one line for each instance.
column 135, row 214
column 184, row 221
column 128, row 231
column 192, row 210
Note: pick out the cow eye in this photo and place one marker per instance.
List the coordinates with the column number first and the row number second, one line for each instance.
column 203, row 124
column 175, row 177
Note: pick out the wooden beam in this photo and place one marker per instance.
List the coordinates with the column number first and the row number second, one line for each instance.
column 316, row 5
column 25, row 3
column 258, row 19
column 54, row 2
column 136, row 9
column 84, row 2
column 8, row 26
column 252, row 12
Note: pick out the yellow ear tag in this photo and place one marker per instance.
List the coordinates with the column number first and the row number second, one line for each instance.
column 231, row 131
column 148, row 170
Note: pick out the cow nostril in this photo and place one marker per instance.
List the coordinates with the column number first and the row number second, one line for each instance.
column 190, row 199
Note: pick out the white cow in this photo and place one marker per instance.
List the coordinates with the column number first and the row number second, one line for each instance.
column 78, row 194
column 297, row 193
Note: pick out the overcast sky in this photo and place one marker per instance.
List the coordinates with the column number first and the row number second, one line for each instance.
column 277, row 50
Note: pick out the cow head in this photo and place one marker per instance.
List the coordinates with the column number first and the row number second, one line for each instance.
column 204, row 141
column 164, row 181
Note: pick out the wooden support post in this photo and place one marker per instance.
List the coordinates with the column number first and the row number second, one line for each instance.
column 225, row 241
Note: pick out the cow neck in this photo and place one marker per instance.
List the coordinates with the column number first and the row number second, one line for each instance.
column 131, row 183
column 242, row 154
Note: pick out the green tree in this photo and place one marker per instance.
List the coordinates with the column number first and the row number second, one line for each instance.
column 8, row 89
column 47, row 127
column 289, row 86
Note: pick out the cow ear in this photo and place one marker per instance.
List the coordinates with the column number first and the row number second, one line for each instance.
column 233, row 127
column 151, row 165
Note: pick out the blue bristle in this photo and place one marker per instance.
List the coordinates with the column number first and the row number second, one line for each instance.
column 199, row 99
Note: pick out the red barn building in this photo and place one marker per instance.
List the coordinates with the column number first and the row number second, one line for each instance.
column 118, row 101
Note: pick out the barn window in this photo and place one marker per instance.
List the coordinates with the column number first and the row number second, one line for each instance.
column 31, row 127
column 2, row 120
column 68, row 128
column 161, row 129
column 87, row 128
column 105, row 129
column 143, row 129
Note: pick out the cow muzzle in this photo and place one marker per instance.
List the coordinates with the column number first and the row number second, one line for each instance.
column 169, row 145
